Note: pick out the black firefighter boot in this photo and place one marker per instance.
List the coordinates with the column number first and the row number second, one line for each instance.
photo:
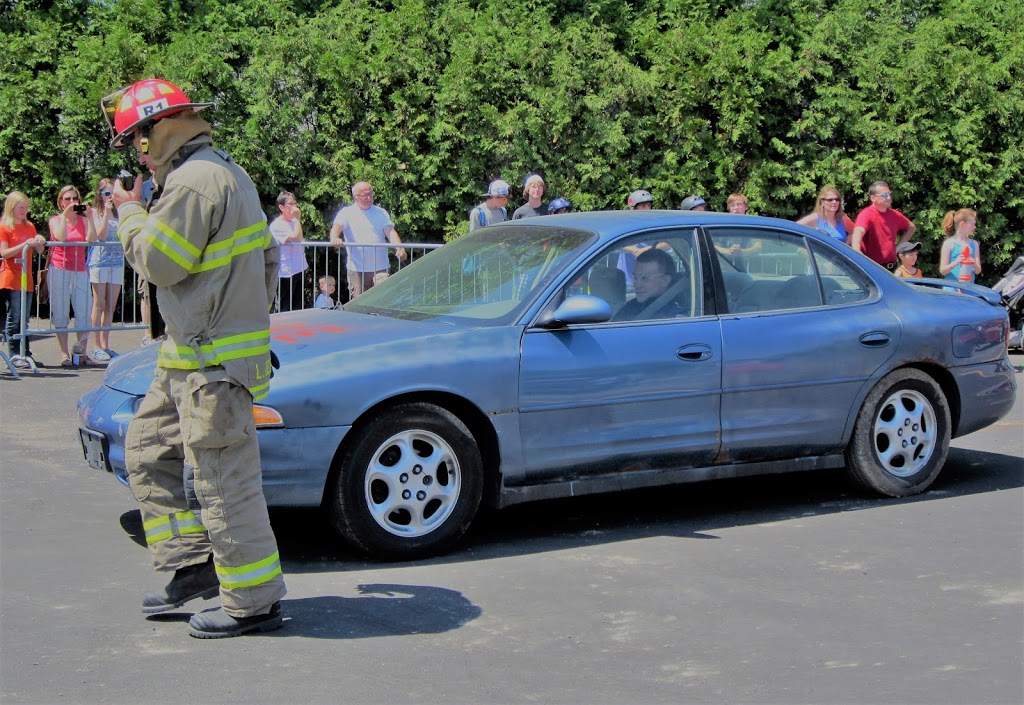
column 218, row 624
column 188, row 583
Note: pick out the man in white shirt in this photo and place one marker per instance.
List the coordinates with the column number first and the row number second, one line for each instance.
column 363, row 223
column 287, row 230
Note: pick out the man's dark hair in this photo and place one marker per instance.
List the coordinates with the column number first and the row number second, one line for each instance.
column 659, row 257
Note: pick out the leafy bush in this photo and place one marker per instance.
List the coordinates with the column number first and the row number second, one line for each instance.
column 431, row 99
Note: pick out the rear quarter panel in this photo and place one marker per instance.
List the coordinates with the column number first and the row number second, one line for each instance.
column 980, row 385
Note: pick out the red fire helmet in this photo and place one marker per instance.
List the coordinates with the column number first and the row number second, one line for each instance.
column 141, row 103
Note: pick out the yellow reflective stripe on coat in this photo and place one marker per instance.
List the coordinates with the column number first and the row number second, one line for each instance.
column 260, row 391
column 220, row 254
column 171, row 525
column 233, row 347
column 178, row 249
column 252, row 574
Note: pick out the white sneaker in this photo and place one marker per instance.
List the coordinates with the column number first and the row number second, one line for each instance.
column 100, row 355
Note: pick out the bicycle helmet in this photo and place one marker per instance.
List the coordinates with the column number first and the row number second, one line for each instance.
column 639, row 196
column 559, row 204
column 691, row 202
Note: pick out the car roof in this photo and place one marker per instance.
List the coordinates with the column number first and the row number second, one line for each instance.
column 611, row 224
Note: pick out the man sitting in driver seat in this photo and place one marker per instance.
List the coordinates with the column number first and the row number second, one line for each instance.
column 653, row 274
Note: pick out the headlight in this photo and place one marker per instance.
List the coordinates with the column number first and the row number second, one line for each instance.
column 265, row 417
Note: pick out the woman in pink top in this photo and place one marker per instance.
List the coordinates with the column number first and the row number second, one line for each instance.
column 69, row 272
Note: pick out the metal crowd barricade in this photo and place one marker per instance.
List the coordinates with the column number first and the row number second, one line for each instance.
column 129, row 290
column 325, row 259
column 322, row 259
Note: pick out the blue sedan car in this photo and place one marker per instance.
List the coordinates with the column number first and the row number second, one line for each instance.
column 598, row 352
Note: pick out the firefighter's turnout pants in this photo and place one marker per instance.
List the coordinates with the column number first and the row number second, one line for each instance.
column 199, row 424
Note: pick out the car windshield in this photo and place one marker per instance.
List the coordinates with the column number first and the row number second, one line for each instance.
column 489, row 276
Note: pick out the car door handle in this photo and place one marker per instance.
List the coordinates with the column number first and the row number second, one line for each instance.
column 876, row 339
column 694, row 352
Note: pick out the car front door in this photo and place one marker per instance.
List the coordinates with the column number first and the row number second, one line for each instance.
column 638, row 393
column 804, row 331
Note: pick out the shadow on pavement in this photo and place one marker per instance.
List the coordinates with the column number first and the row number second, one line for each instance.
column 386, row 610
column 693, row 511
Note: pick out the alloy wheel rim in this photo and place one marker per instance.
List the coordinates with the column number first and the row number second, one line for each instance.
column 412, row 484
column 905, row 433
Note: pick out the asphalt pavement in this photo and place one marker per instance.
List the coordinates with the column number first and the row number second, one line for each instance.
column 793, row 588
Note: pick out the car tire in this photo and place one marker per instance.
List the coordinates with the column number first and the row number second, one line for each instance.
column 901, row 436
column 409, row 485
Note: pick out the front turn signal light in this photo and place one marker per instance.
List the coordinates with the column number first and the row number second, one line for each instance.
column 265, row 417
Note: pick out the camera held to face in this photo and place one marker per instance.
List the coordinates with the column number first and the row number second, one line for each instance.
column 79, row 208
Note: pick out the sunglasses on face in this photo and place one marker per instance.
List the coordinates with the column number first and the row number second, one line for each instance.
column 106, row 193
column 71, row 199
column 886, row 195
column 831, row 200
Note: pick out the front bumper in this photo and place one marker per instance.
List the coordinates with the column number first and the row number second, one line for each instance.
column 296, row 462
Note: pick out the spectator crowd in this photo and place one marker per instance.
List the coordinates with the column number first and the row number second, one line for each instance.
column 87, row 282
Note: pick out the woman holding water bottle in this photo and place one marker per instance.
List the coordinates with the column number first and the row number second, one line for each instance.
column 960, row 258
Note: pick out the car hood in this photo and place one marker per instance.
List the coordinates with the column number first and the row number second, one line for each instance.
column 296, row 337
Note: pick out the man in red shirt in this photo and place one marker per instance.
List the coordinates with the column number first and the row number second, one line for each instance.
column 878, row 225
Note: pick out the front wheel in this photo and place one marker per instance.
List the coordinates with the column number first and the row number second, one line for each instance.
column 410, row 485
column 901, row 437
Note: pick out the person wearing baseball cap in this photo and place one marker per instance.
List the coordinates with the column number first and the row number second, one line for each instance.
column 493, row 209
column 907, row 254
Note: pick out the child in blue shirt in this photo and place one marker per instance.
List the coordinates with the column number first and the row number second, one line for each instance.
column 325, row 299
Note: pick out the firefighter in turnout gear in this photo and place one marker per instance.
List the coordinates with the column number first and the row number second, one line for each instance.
column 191, row 449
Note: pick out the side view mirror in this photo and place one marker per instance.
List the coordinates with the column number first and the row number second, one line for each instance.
column 581, row 308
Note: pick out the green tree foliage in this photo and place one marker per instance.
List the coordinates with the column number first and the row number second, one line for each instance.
column 431, row 99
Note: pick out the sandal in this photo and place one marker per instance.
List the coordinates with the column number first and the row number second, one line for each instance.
column 66, row 362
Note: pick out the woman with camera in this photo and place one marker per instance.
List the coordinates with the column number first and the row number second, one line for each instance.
column 106, row 269
column 69, row 273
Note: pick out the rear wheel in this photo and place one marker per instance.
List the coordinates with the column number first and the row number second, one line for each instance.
column 901, row 437
column 410, row 485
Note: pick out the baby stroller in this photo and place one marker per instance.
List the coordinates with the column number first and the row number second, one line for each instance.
column 1011, row 287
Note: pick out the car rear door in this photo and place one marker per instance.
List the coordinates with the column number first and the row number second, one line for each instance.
column 625, row 395
column 803, row 331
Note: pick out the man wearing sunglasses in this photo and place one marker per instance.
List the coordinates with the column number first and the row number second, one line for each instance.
column 878, row 227
column 191, row 450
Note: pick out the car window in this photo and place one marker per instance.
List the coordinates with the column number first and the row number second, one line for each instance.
column 841, row 281
column 765, row 270
column 489, row 276
column 646, row 277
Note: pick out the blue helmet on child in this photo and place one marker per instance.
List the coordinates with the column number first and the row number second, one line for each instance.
column 559, row 204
